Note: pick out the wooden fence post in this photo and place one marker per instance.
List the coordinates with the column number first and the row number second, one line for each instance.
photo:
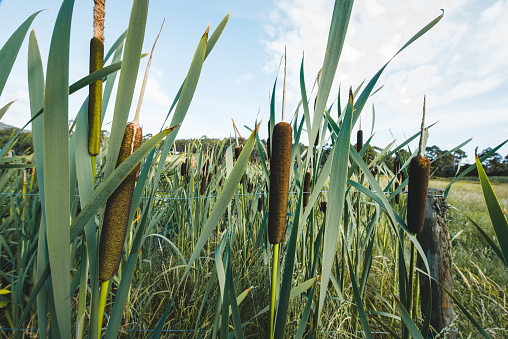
column 436, row 246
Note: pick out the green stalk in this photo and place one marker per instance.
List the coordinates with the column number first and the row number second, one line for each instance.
column 102, row 304
column 274, row 283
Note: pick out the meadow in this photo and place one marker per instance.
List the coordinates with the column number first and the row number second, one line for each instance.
column 124, row 237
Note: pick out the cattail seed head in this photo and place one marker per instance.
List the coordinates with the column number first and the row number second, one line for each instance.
column 183, row 168
column 238, row 150
column 306, row 188
column 118, row 208
column 260, row 204
column 95, row 97
column 202, row 188
column 419, row 172
column 249, row 186
column 280, row 166
column 359, row 140
column 322, row 206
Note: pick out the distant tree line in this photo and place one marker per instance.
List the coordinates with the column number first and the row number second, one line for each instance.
column 443, row 162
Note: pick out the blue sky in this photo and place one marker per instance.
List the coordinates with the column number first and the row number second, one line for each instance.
column 461, row 64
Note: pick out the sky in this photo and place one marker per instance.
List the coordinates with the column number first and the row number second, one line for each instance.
column 461, row 65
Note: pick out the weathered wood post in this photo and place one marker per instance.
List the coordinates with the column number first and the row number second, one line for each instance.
column 436, row 245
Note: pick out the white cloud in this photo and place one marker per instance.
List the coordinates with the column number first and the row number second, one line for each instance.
column 462, row 57
column 244, row 77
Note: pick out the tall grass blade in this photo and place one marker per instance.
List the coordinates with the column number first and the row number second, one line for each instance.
column 10, row 50
column 473, row 166
column 127, row 81
column 184, row 101
column 366, row 93
column 495, row 211
column 56, row 166
column 336, row 36
column 406, row 318
column 336, row 197
column 36, row 97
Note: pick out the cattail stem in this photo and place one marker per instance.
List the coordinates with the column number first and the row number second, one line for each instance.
column 284, row 88
column 422, row 129
column 102, row 304
column 275, row 269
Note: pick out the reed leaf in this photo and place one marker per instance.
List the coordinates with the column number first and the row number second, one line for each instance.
column 56, row 166
column 336, row 36
column 127, row 81
column 10, row 50
column 496, row 213
column 336, row 197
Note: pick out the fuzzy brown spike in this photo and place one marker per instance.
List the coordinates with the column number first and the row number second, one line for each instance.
column 419, row 173
column 280, row 166
column 95, row 97
column 260, row 204
column 238, row 150
column 359, row 140
column 322, row 206
column 306, row 188
column 396, row 169
column 183, row 168
column 118, row 208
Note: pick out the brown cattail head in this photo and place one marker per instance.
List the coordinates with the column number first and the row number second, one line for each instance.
column 238, row 150
column 268, row 148
column 280, row 166
column 241, row 180
column 220, row 182
column 95, row 97
column 306, row 188
column 202, row 189
column 322, row 206
column 260, row 204
column 419, row 172
column 249, row 186
column 183, row 168
column 396, row 170
column 118, row 208
column 359, row 140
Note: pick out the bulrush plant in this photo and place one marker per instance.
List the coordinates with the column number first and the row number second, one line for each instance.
column 174, row 264
column 419, row 173
column 118, row 206
column 280, row 165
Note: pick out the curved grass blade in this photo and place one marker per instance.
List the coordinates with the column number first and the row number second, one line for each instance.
column 473, row 166
column 56, row 166
column 184, row 101
column 358, row 299
column 109, row 185
column 466, row 313
column 336, row 197
column 485, row 236
column 406, row 318
column 336, row 36
column 36, row 97
column 100, row 74
column 362, row 99
column 10, row 50
column 127, row 81
column 5, row 108
column 495, row 211
column 209, row 46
